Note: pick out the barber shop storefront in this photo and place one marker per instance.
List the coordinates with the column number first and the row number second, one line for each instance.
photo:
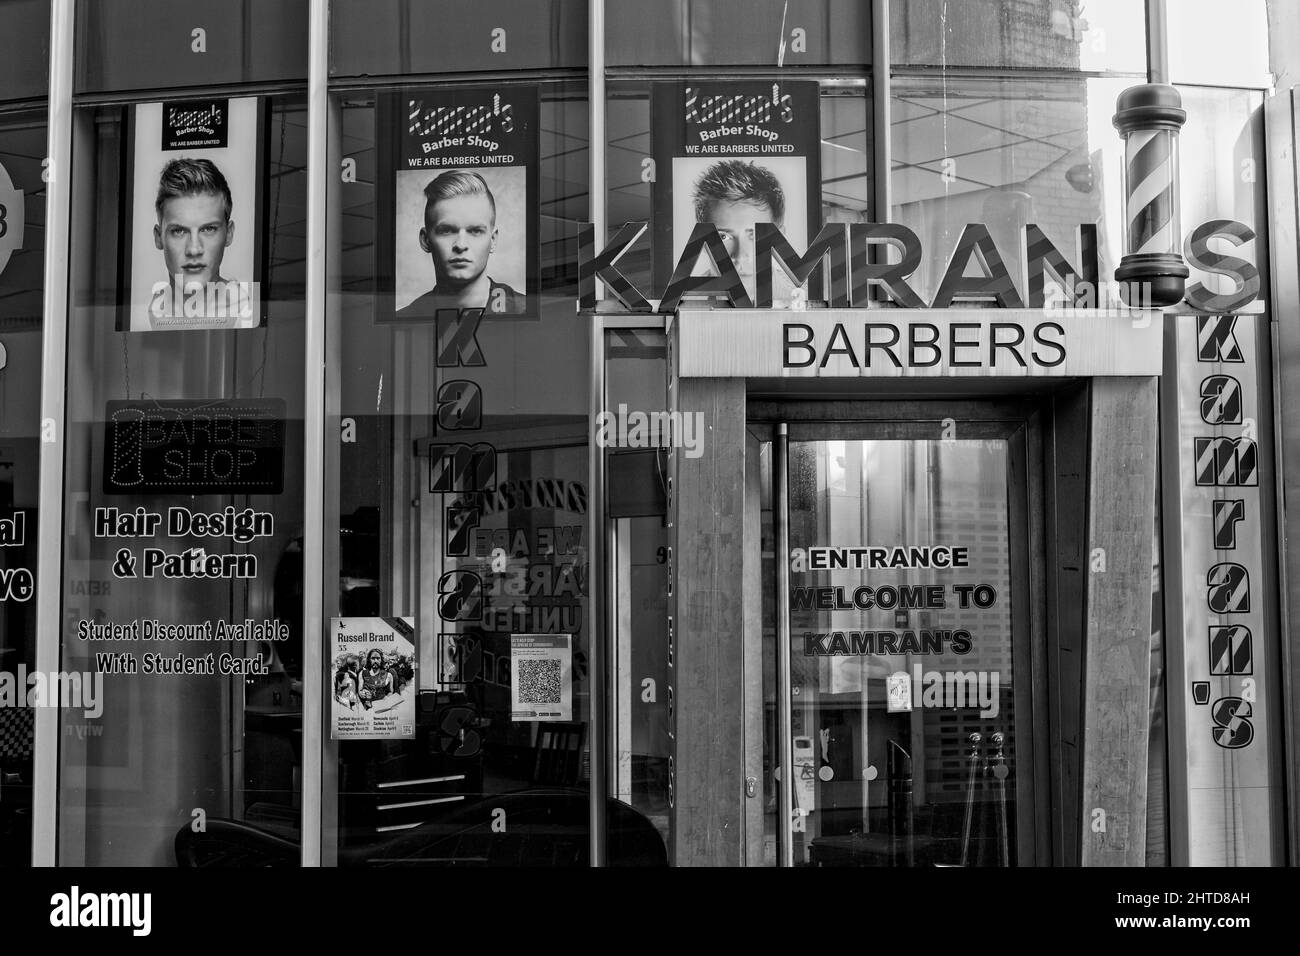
column 608, row 433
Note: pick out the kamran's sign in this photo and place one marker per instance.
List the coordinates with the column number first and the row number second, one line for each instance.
column 1223, row 630
column 845, row 262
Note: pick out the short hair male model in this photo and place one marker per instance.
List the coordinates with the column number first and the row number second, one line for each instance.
column 460, row 234
column 734, row 194
column 194, row 227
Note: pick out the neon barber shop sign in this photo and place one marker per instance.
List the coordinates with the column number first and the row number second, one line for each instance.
column 855, row 263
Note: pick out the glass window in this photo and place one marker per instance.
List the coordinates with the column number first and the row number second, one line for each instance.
column 400, row 37
column 636, row 469
column 906, row 713
column 737, row 32
column 1089, row 35
column 1214, row 44
column 25, row 62
column 460, row 484
column 1221, row 161
column 166, row 44
column 183, row 507
column 22, row 260
column 1006, row 154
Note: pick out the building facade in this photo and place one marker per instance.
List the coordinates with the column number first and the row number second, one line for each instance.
column 598, row 432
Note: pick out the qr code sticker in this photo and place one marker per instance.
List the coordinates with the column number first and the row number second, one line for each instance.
column 539, row 681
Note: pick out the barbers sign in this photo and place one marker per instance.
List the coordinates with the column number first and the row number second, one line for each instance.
column 840, row 343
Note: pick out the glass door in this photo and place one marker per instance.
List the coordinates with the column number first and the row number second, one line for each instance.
column 896, row 596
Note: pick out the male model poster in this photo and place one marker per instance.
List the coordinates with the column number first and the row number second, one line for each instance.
column 464, row 203
column 193, row 217
column 734, row 154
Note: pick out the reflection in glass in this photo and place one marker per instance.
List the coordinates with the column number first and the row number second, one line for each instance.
column 904, row 721
column 635, row 370
column 1087, row 35
column 163, row 44
column 737, row 33
column 22, row 260
column 475, row 563
column 1229, row 126
column 406, row 37
column 1217, row 44
column 1006, row 154
column 172, row 750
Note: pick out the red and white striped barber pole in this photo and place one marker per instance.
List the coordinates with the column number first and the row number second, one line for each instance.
column 1152, row 273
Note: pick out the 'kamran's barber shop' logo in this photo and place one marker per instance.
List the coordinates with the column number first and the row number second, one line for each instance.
column 203, row 124
column 704, row 109
column 11, row 218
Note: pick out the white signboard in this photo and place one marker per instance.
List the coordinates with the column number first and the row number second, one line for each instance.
column 904, row 343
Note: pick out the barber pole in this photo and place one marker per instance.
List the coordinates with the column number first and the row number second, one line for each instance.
column 1149, row 118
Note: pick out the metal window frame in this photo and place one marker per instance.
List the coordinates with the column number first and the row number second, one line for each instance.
column 598, row 605
column 881, row 92
column 1157, row 41
column 54, row 365
column 314, row 385
column 1281, row 132
column 601, row 601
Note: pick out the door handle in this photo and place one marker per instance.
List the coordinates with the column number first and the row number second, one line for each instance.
column 751, row 786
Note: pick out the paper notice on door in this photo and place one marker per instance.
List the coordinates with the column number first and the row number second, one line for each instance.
column 373, row 678
column 541, row 677
column 898, row 693
column 805, row 775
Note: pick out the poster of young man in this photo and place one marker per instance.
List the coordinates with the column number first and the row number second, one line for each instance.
column 193, row 208
column 734, row 154
column 372, row 678
column 463, row 203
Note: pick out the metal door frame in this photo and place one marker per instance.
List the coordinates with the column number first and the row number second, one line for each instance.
column 1019, row 422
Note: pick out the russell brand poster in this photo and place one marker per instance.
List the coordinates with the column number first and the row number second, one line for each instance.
column 192, row 214
column 372, row 678
column 733, row 154
column 464, row 198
